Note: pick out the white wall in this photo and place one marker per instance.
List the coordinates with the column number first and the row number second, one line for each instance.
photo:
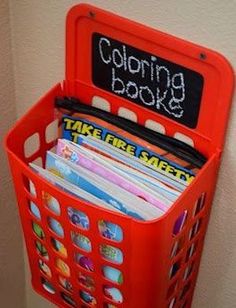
column 12, row 280
column 38, row 36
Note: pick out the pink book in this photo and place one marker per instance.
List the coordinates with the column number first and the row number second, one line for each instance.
column 74, row 153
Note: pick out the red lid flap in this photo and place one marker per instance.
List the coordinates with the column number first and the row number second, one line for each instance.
column 184, row 86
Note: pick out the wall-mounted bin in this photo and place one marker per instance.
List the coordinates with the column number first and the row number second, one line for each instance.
column 156, row 80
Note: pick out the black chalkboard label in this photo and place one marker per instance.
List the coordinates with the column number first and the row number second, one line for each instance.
column 147, row 80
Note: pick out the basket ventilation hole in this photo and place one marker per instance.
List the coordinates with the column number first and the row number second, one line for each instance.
column 88, row 298
column 191, row 251
column 78, row 218
column 68, row 300
column 172, row 303
column 51, row 203
column 84, row 261
column 110, row 230
column 32, row 188
column 188, row 271
column 81, row 241
column 42, row 251
column 45, row 268
column 106, row 305
column 31, row 145
column 185, row 290
column 65, row 283
column 112, row 274
column 47, row 286
column 127, row 114
column 34, row 210
column 62, row 267
column 195, row 229
column 199, row 204
column 113, row 294
column 51, row 132
column 38, row 230
column 155, row 126
column 86, row 281
column 184, row 138
column 111, row 253
column 55, row 226
column 177, row 246
column 59, row 247
column 101, row 103
column 174, row 269
column 180, row 222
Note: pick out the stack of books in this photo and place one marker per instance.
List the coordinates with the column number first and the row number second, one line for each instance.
column 110, row 178
column 109, row 167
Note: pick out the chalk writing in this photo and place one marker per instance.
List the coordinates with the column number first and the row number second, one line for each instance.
column 147, row 79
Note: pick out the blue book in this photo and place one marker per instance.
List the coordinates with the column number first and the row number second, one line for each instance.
column 68, row 188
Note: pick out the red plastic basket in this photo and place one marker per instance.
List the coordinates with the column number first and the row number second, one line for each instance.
column 159, row 268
